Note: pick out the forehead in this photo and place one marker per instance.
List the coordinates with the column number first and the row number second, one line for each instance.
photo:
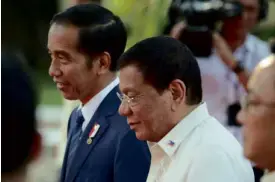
column 249, row 3
column 62, row 37
column 131, row 79
column 262, row 83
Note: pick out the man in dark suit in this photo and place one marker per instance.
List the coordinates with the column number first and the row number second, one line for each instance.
column 85, row 42
column 21, row 143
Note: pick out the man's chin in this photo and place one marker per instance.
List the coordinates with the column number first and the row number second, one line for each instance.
column 250, row 154
column 68, row 96
column 141, row 136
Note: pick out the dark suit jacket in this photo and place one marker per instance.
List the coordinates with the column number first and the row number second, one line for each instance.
column 115, row 155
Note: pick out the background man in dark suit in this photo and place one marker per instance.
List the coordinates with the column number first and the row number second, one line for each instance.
column 85, row 42
column 20, row 141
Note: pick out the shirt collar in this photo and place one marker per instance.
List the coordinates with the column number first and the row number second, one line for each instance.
column 171, row 141
column 249, row 43
column 268, row 177
column 248, row 46
column 91, row 106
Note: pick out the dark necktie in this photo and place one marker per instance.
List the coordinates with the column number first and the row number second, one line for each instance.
column 75, row 139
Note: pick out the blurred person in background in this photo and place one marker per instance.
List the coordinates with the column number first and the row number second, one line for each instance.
column 84, row 42
column 258, row 117
column 161, row 97
column 20, row 142
column 226, row 71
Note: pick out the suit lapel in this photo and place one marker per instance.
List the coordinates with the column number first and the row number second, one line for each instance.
column 108, row 107
column 70, row 125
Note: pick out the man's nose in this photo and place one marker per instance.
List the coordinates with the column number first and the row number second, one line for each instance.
column 241, row 116
column 54, row 70
column 124, row 109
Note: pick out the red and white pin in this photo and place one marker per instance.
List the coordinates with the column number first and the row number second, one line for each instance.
column 92, row 133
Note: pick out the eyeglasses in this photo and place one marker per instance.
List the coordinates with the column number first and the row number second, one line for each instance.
column 246, row 103
column 132, row 101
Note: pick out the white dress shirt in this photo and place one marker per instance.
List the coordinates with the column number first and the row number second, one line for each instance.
column 221, row 87
column 89, row 109
column 198, row 149
column 269, row 177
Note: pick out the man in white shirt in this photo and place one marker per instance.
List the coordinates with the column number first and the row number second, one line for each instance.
column 258, row 117
column 161, row 97
column 226, row 71
column 236, row 53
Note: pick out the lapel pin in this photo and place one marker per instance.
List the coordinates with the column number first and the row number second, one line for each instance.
column 89, row 141
column 171, row 143
column 92, row 133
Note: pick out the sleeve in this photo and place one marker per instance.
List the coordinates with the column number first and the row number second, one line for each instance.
column 212, row 165
column 262, row 51
column 132, row 160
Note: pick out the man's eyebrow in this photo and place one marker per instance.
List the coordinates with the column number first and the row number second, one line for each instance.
column 126, row 90
column 60, row 52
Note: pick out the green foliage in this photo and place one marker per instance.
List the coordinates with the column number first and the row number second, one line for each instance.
column 265, row 33
column 143, row 18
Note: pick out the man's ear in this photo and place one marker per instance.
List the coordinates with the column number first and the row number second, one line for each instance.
column 178, row 91
column 36, row 147
column 104, row 63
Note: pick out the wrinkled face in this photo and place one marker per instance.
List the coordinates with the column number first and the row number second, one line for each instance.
column 68, row 67
column 258, row 118
column 148, row 112
column 244, row 23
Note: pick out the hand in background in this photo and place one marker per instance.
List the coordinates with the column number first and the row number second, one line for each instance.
column 223, row 50
column 177, row 29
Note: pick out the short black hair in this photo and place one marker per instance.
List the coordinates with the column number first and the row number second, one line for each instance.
column 161, row 60
column 99, row 30
column 18, row 113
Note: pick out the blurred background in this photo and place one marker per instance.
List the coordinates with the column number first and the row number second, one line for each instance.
column 24, row 30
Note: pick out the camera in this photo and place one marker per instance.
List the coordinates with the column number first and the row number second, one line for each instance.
column 202, row 17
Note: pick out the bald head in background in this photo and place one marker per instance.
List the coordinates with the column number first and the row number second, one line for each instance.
column 258, row 115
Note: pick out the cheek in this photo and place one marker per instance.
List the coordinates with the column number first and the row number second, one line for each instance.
column 255, row 135
column 156, row 115
column 251, row 20
column 75, row 75
column 144, row 113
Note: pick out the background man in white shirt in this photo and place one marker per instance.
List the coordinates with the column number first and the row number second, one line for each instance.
column 161, row 85
column 226, row 71
column 258, row 117
column 222, row 83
